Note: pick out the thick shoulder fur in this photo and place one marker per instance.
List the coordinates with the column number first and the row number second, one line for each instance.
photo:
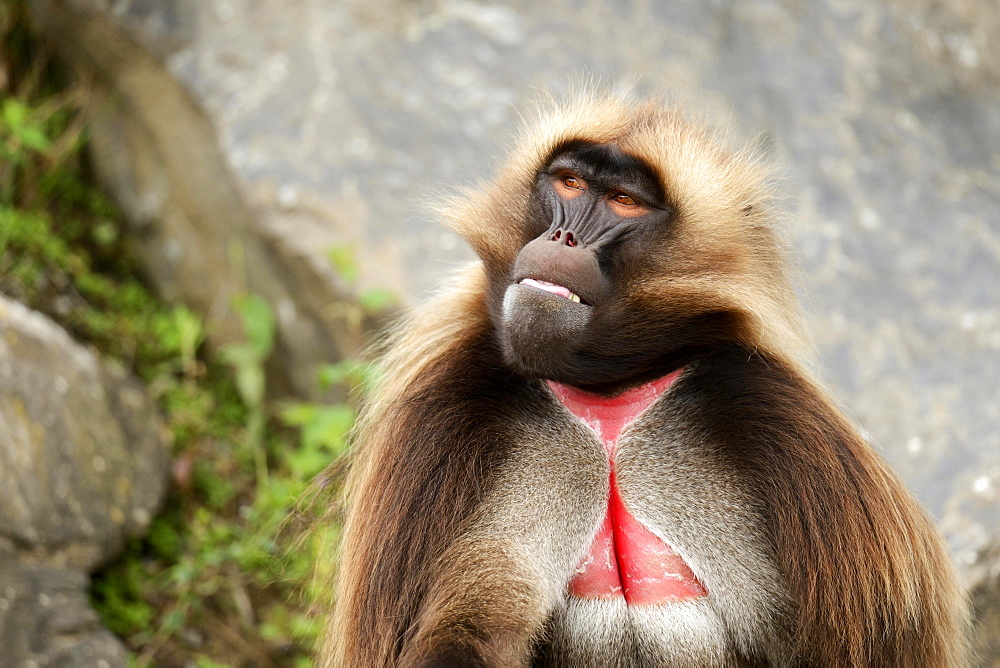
column 867, row 570
column 423, row 456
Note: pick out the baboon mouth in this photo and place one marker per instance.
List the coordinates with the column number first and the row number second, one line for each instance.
column 552, row 288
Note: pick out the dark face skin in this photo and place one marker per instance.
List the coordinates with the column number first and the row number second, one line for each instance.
column 597, row 205
column 566, row 313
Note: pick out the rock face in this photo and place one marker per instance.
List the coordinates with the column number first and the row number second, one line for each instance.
column 285, row 128
column 83, row 465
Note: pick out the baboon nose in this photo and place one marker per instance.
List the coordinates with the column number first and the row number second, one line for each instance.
column 564, row 237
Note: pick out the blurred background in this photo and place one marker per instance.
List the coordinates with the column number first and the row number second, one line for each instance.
column 208, row 207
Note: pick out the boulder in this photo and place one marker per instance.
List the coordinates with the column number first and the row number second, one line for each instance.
column 46, row 619
column 84, row 461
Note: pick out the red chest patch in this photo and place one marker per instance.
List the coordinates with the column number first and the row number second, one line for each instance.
column 625, row 559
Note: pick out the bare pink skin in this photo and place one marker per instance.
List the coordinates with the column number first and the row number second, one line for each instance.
column 625, row 559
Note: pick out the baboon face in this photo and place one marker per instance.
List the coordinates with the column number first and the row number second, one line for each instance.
column 598, row 222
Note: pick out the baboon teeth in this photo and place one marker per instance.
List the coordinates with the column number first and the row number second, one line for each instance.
column 551, row 288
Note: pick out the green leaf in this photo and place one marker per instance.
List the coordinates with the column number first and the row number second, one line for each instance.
column 105, row 233
column 14, row 113
column 323, row 432
column 206, row 662
column 353, row 373
column 296, row 415
column 250, row 383
column 180, row 332
column 34, row 138
column 377, row 299
column 345, row 262
column 258, row 323
column 328, row 428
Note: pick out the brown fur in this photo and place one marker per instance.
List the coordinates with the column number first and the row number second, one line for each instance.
column 868, row 573
column 432, row 572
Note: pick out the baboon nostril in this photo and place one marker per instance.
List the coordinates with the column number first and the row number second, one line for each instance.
column 567, row 238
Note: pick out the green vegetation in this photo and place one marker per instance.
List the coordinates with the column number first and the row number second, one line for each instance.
column 215, row 581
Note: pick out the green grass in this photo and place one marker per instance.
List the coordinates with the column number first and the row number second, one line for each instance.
column 225, row 575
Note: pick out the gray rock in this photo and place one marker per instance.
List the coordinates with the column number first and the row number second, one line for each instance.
column 331, row 121
column 46, row 620
column 83, row 464
column 83, row 456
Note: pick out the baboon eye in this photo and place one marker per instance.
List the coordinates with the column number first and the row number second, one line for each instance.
column 623, row 199
column 571, row 181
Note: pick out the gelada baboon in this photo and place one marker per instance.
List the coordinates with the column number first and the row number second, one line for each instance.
column 602, row 445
